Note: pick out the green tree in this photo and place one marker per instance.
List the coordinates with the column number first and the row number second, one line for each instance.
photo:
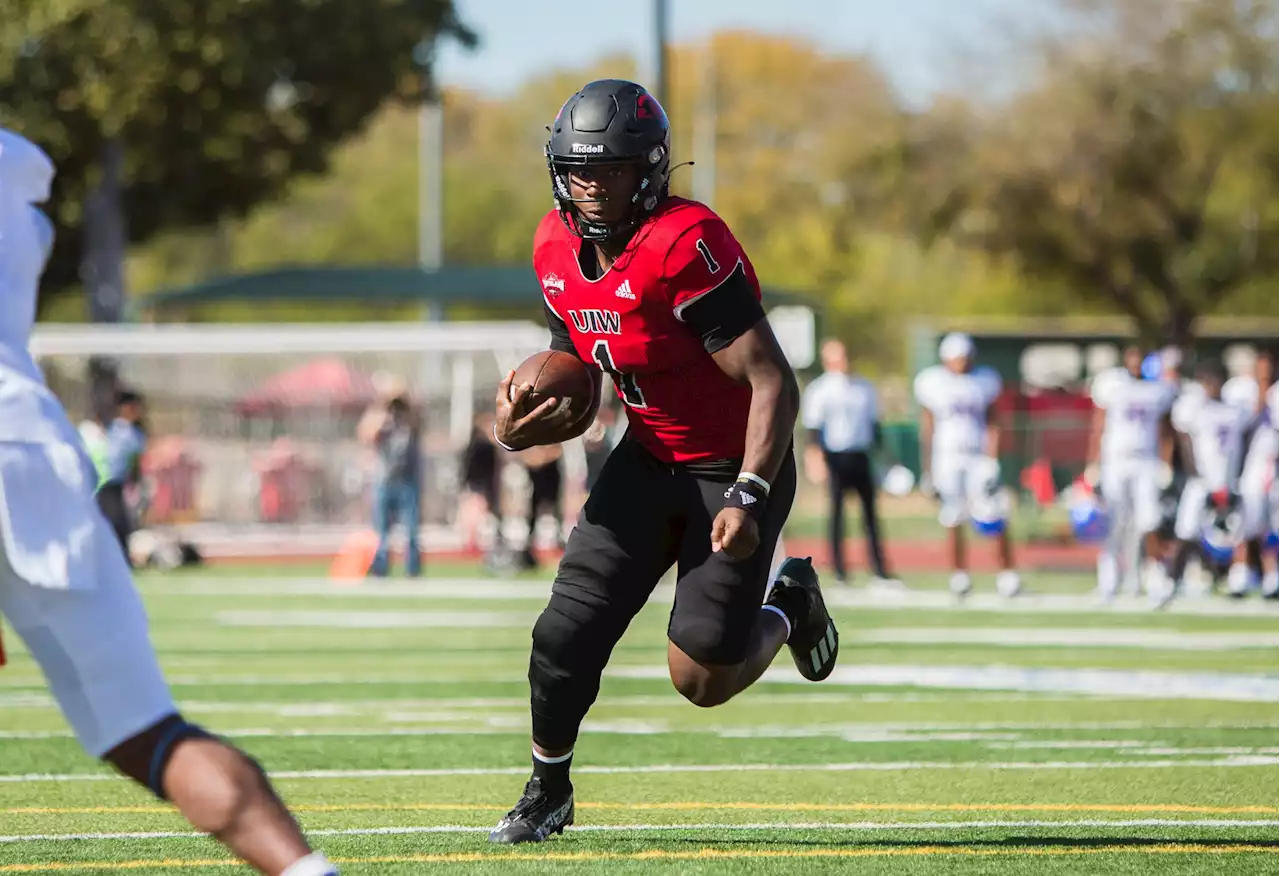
column 217, row 103
column 1139, row 173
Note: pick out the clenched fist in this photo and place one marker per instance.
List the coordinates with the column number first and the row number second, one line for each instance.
column 735, row 532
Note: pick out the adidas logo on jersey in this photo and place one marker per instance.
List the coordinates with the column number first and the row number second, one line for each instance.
column 624, row 291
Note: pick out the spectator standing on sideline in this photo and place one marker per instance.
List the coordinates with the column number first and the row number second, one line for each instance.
column 118, row 466
column 391, row 427
column 544, row 463
column 840, row 413
column 481, row 481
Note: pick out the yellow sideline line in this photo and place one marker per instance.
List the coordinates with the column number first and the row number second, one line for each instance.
column 690, row 806
column 663, row 855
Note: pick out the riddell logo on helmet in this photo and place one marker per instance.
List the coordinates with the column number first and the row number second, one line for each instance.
column 588, row 148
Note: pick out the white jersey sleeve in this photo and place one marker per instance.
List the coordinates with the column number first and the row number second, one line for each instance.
column 931, row 388
column 1184, row 413
column 1106, row 386
column 989, row 383
column 1241, row 392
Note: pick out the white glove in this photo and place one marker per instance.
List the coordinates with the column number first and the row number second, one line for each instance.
column 1163, row 475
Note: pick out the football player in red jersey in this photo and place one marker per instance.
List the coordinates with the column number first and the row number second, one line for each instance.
column 655, row 290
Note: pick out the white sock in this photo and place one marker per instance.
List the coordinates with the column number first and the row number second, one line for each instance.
column 542, row 758
column 780, row 613
column 1108, row 574
column 314, row 864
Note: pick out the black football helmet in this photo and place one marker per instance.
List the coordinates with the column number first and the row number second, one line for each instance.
column 607, row 122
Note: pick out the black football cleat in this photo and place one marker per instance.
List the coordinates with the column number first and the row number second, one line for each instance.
column 539, row 814
column 814, row 641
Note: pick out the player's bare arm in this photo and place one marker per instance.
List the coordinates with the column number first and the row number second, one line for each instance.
column 926, row 445
column 756, row 359
column 1166, row 439
column 1096, row 426
column 991, row 442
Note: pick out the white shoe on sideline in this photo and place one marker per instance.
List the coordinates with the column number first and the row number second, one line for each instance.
column 1008, row 583
column 960, row 584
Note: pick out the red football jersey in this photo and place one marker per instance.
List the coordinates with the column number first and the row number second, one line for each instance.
column 630, row 324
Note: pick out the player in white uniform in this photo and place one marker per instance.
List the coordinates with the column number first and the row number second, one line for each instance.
column 959, row 440
column 1129, row 450
column 1211, row 433
column 66, row 589
column 1260, row 492
column 1248, row 392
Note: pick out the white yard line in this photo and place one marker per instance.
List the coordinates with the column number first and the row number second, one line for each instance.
column 1120, row 683
column 379, row 620
column 866, row 766
column 1053, row 637
column 701, row 828
column 1008, row 637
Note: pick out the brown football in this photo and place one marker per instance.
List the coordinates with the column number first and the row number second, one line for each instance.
column 554, row 374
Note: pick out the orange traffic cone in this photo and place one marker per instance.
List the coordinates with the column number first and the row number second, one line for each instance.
column 352, row 563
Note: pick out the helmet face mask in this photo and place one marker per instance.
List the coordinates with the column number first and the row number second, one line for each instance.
column 609, row 123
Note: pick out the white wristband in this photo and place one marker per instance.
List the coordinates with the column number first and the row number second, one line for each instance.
column 755, row 479
column 499, row 440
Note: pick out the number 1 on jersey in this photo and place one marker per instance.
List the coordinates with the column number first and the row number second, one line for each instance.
column 712, row 265
column 626, row 383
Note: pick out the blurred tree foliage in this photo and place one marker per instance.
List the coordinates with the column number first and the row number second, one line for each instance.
column 1139, row 172
column 218, row 103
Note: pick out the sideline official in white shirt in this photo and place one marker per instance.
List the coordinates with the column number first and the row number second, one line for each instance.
column 840, row 412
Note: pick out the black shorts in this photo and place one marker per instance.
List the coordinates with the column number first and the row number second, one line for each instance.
column 644, row 515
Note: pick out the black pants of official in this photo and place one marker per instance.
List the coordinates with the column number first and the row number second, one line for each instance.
column 113, row 506
column 845, row 472
column 642, row 517
column 546, row 488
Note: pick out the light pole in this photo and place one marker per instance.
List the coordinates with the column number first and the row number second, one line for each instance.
column 430, row 172
column 660, row 54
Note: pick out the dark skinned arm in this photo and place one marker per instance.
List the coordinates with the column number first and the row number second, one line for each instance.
column 755, row 358
column 926, row 441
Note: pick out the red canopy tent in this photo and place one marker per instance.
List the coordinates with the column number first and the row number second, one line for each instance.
column 323, row 383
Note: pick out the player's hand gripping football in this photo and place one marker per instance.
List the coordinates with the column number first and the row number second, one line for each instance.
column 520, row 424
column 735, row 532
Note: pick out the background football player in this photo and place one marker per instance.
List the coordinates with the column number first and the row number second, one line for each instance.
column 1130, row 446
column 1260, row 504
column 959, row 440
column 1249, row 393
column 1211, row 435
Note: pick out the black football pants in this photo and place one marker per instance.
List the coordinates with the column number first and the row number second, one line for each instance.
column 643, row 516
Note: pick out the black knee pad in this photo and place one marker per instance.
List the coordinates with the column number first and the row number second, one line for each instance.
column 710, row 640
column 569, row 654
column 165, row 737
